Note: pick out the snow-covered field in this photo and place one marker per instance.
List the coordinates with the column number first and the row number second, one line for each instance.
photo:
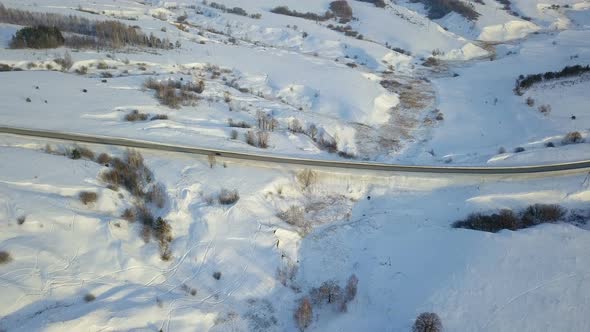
column 412, row 90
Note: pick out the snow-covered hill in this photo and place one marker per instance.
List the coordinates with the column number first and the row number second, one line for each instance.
column 240, row 244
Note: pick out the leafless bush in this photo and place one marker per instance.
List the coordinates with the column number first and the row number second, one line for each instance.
column 262, row 139
column 82, row 70
column 240, row 124
column 162, row 231
column 542, row 213
column 128, row 214
column 295, row 126
column 427, row 322
column 159, row 117
column 212, row 161
column 266, row 121
column 174, row 93
column 304, row 314
column 87, row 197
column 66, row 62
column 312, row 131
column 572, row 138
column 103, row 158
column 530, row 102
column 341, row 9
column 81, row 152
column 135, row 116
column 251, row 138
column 102, row 65
column 306, row 178
column 233, row 134
column 328, row 143
column 217, row 275
column 21, row 220
column 294, row 215
column 351, row 288
column 286, row 273
column 228, row 197
column 89, row 297
column 505, row 219
column 129, row 173
column 5, row 257
column 545, row 109
column 328, row 293
column 156, row 195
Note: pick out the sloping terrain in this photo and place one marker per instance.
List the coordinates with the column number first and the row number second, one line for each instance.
column 96, row 238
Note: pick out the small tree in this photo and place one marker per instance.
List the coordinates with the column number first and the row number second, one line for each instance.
column 304, row 314
column 427, row 322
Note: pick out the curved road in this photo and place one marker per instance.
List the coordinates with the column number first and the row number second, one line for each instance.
column 131, row 143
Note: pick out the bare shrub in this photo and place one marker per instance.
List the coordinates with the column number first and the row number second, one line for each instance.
column 286, row 273
column 217, row 275
column 103, row 158
column 129, row 173
column 82, row 152
column 427, row 322
column 128, row 214
column 306, row 178
column 440, row 8
column 505, row 219
column 240, row 124
column 572, row 138
column 295, row 126
column 233, row 134
column 263, row 137
column 175, row 93
column 519, row 149
column 156, row 195
column 341, row 9
column 66, row 62
column 211, row 160
column 351, row 288
column 251, row 138
column 294, row 215
column 228, row 197
column 312, row 131
column 303, row 314
column 329, row 292
column 162, row 231
column 266, row 121
column 542, row 213
column 328, row 143
column 89, row 297
column 5, row 257
column 545, row 109
column 530, row 102
column 21, row 220
column 82, row 70
column 87, row 197
column 159, row 117
column 102, row 65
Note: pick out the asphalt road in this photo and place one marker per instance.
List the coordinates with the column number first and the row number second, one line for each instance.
column 357, row 165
